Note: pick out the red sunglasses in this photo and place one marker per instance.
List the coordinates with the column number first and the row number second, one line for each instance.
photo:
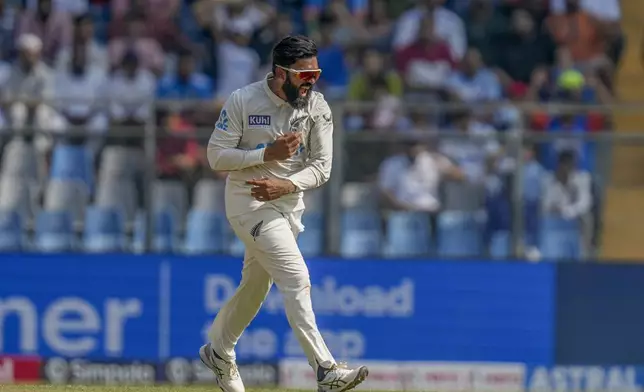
column 305, row 74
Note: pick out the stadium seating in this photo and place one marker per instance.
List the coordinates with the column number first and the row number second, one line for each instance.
column 71, row 162
column 11, row 231
column 408, row 234
column 311, row 240
column 361, row 233
column 560, row 238
column 19, row 195
column 67, row 195
column 460, row 234
column 165, row 232
column 170, row 195
column 206, row 232
column 54, row 232
column 118, row 193
column 209, row 195
column 104, row 230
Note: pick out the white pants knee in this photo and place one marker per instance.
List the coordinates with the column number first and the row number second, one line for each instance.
column 272, row 255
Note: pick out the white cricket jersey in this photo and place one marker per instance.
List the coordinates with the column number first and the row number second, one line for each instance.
column 251, row 119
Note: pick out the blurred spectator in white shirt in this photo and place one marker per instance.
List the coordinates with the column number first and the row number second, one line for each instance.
column 96, row 55
column 148, row 50
column 31, row 81
column 410, row 180
column 53, row 27
column 567, row 191
column 238, row 63
column 131, row 91
column 79, row 92
column 474, row 146
column 447, row 25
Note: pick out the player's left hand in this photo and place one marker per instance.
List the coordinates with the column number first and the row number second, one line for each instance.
column 268, row 189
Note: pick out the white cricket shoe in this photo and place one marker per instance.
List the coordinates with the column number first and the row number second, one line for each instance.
column 338, row 378
column 226, row 372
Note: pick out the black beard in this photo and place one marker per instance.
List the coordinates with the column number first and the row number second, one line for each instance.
column 292, row 94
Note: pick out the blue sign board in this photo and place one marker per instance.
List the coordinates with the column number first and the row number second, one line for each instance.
column 156, row 307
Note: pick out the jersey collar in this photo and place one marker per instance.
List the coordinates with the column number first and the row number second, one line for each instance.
column 276, row 100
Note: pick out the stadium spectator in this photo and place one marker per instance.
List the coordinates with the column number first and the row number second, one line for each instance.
column 522, row 51
column 373, row 82
column 581, row 34
column 79, row 96
column 571, row 124
column 448, row 26
column 331, row 58
column 131, row 90
column 53, row 27
column 220, row 15
column 567, row 197
column 607, row 14
column 314, row 8
column 96, row 55
column 378, row 27
column 147, row 50
column 483, row 23
column 342, row 25
column 264, row 38
column 410, row 179
column 372, row 76
column 238, row 63
column 159, row 20
column 186, row 82
column 30, row 89
column 474, row 147
column 427, row 63
column 161, row 9
column 473, row 82
column 179, row 156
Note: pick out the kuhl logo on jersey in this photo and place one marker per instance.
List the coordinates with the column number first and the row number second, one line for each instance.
column 259, row 121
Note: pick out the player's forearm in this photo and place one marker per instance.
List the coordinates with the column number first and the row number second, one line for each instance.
column 231, row 159
column 312, row 176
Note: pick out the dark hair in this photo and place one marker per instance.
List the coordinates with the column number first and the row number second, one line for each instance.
column 293, row 48
column 567, row 156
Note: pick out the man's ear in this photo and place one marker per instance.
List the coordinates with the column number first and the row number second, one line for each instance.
column 280, row 74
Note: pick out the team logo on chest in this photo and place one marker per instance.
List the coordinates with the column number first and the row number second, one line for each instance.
column 259, row 121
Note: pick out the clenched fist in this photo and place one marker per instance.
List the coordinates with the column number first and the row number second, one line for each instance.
column 283, row 148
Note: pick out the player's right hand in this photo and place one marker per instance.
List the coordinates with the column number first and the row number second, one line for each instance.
column 283, row 148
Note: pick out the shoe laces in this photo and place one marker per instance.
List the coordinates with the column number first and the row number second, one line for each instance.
column 340, row 367
column 233, row 371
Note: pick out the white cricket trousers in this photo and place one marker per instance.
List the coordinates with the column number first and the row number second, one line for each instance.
column 272, row 255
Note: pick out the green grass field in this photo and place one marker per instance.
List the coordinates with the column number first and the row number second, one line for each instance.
column 122, row 388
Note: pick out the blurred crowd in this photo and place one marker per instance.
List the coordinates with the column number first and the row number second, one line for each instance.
column 80, row 68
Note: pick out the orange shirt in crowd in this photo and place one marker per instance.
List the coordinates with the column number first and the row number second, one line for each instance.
column 580, row 33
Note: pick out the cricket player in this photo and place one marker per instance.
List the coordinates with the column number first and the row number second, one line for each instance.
column 275, row 137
